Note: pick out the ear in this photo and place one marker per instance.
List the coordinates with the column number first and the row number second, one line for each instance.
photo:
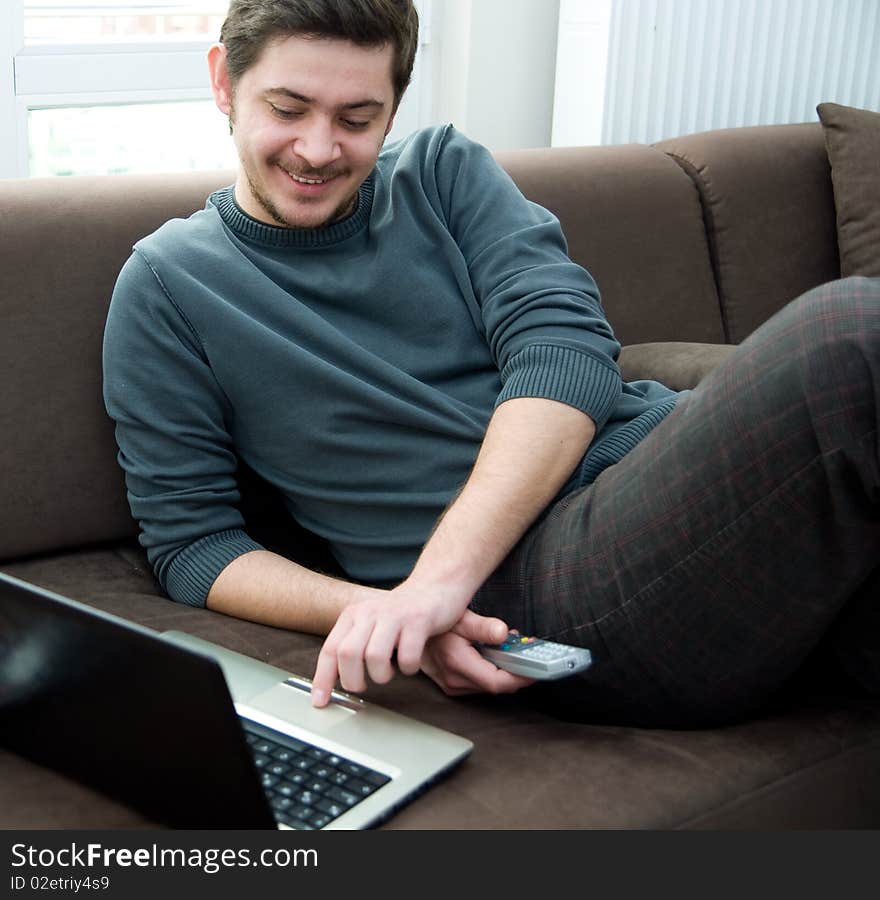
column 220, row 84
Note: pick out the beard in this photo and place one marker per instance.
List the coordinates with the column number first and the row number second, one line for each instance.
column 342, row 211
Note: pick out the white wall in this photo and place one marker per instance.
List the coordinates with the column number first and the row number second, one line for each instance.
column 581, row 67
column 679, row 66
column 495, row 69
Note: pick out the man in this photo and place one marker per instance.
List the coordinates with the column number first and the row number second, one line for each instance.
column 398, row 342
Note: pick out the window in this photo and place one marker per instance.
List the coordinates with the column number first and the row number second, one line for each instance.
column 99, row 21
column 107, row 86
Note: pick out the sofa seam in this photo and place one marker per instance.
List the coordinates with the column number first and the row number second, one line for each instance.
column 709, row 227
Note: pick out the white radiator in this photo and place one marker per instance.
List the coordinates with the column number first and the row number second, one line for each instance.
column 680, row 66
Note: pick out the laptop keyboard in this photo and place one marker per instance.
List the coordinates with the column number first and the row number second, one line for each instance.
column 308, row 787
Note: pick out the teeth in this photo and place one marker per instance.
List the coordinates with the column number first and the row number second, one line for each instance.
column 306, row 180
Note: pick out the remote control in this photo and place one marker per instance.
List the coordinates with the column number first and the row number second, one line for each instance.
column 535, row 657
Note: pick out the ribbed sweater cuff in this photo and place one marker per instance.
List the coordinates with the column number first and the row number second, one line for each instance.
column 565, row 374
column 192, row 572
column 614, row 447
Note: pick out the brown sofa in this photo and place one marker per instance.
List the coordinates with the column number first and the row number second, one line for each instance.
column 694, row 242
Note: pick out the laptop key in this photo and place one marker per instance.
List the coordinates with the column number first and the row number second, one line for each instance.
column 287, row 818
column 346, row 798
column 357, row 786
column 263, row 746
column 331, row 808
column 375, row 778
column 300, row 813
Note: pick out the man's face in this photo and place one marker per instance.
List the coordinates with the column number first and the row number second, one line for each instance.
column 309, row 118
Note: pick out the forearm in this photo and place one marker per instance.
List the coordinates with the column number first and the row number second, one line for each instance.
column 530, row 449
column 264, row 587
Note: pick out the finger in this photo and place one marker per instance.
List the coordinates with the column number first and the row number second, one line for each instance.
column 448, row 682
column 325, row 675
column 411, row 648
column 487, row 629
column 327, row 667
column 350, row 655
column 507, row 683
column 485, row 675
column 455, row 684
column 379, row 651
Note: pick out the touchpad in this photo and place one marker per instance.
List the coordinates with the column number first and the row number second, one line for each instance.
column 295, row 706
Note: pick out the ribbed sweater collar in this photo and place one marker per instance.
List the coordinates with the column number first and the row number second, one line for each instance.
column 274, row 236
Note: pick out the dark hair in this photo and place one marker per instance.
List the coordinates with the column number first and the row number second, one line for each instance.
column 251, row 24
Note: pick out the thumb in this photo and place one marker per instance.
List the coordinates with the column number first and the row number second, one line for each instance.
column 475, row 627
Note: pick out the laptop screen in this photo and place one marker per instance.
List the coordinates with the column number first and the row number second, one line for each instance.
column 114, row 706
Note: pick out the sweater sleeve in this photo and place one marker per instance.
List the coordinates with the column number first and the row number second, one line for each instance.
column 541, row 312
column 172, row 431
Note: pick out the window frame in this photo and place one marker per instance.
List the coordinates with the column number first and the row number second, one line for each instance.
column 46, row 76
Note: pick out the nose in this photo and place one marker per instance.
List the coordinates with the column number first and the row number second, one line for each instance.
column 316, row 142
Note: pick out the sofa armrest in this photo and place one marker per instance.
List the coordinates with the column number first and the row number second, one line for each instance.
column 677, row 364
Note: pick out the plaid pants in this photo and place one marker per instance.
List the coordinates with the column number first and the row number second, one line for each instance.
column 739, row 539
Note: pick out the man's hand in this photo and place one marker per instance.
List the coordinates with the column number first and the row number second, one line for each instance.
column 456, row 666
column 368, row 633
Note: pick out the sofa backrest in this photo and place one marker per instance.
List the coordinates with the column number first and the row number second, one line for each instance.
column 62, row 243
column 768, row 205
column 631, row 217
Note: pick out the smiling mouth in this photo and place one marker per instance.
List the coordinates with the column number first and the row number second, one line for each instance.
column 310, row 179
column 302, row 180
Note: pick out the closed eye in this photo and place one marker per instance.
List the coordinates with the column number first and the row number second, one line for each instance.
column 284, row 113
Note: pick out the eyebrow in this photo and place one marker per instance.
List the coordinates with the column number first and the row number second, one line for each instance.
column 366, row 103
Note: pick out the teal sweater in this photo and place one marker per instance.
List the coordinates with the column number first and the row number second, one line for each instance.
column 355, row 366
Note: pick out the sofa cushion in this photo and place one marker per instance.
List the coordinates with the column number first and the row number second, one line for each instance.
column 852, row 139
column 677, row 364
column 769, row 212
column 633, row 219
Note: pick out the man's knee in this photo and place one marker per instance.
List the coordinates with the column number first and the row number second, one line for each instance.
column 838, row 327
column 849, row 304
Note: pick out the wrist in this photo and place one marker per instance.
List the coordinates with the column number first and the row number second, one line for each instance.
column 451, row 574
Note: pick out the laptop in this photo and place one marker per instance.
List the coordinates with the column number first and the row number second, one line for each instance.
column 194, row 735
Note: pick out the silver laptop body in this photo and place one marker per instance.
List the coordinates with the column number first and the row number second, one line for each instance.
column 412, row 753
column 158, row 721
